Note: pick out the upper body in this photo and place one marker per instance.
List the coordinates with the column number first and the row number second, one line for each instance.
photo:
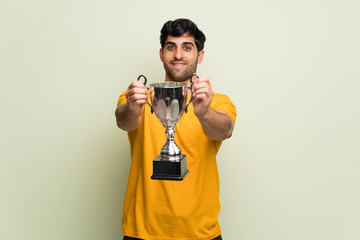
column 167, row 209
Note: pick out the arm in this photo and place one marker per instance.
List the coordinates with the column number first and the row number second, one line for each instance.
column 216, row 124
column 128, row 114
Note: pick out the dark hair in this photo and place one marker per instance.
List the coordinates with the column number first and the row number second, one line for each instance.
column 178, row 28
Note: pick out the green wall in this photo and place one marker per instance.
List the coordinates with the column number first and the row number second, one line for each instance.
column 291, row 169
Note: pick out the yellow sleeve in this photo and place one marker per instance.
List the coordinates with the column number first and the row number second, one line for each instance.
column 223, row 102
column 122, row 99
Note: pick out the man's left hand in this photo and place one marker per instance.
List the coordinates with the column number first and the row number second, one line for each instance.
column 203, row 94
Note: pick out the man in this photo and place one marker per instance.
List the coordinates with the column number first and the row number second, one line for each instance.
column 188, row 209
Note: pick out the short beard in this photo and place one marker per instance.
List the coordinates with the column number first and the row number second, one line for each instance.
column 182, row 76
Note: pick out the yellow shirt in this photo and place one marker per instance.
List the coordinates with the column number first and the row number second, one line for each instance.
column 168, row 210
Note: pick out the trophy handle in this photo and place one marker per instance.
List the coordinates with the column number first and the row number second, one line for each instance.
column 144, row 82
column 190, row 87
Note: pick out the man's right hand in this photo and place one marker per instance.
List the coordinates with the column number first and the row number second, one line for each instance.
column 128, row 115
column 136, row 97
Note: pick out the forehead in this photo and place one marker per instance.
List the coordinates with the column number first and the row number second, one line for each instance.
column 181, row 39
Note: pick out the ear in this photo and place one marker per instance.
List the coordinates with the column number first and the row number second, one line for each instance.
column 161, row 55
column 200, row 56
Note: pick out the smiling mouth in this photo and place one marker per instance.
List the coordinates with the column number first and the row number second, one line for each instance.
column 178, row 64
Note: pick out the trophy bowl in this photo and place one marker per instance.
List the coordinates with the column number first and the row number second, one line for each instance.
column 168, row 100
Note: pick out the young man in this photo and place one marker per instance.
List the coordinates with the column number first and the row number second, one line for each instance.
column 188, row 209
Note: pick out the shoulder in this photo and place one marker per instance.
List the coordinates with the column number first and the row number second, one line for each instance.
column 122, row 99
column 223, row 102
column 219, row 98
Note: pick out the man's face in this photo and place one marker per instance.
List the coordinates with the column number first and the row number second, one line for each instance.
column 180, row 57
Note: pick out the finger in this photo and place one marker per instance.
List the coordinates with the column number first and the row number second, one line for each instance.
column 140, row 102
column 135, row 90
column 137, row 97
column 204, row 91
column 137, row 84
column 203, row 88
column 200, row 86
column 201, row 97
column 201, row 82
column 203, row 79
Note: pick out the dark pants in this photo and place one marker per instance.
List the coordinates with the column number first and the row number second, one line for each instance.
column 131, row 238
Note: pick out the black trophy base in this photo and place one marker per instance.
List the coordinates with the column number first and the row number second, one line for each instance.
column 166, row 170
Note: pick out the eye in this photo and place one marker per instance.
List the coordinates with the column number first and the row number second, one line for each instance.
column 170, row 47
column 187, row 47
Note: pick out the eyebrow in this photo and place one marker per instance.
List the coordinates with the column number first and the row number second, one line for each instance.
column 184, row 43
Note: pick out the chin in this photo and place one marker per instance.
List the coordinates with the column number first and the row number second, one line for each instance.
column 180, row 78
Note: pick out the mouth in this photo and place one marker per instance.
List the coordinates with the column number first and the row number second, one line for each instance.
column 178, row 64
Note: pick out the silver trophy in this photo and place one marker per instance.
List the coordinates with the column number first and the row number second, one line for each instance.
column 168, row 102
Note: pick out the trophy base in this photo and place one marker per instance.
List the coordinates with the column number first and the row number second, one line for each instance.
column 166, row 170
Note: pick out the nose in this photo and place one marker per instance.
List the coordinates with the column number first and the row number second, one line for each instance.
column 178, row 54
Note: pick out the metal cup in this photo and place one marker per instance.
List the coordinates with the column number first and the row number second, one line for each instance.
column 168, row 102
